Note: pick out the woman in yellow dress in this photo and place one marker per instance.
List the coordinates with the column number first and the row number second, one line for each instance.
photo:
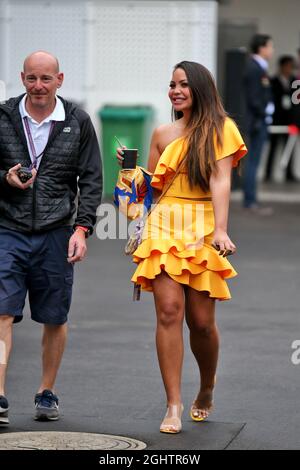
column 183, row 255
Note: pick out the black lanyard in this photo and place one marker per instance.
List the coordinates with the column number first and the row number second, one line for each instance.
column 31, row 143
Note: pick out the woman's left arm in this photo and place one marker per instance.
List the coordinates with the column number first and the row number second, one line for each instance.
column 220, row 185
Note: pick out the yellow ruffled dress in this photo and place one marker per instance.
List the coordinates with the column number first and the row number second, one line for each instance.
column 183, row 250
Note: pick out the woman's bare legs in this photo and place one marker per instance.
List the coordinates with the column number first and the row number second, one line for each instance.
column 169, row 304
column 204, row 341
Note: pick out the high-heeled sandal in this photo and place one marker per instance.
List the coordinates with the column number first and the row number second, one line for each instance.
column 172, row 421
column 200, row 414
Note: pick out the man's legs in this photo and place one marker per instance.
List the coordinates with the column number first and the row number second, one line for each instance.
column 256, row 144
column 50, row 290
column 14, row 255
column 53, row 346
column 6, row 322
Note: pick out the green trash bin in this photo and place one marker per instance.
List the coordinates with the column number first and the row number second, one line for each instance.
column 132, row 125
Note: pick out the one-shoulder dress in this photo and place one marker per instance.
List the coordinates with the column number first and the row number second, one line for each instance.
column 178, row 234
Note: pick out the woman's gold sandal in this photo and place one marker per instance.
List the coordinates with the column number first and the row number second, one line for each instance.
column 200, row 414
column 172, row 421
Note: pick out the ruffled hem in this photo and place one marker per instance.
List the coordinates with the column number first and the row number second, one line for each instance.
column 204, row 270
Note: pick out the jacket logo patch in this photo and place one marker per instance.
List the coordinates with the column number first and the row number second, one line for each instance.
column 67, row 130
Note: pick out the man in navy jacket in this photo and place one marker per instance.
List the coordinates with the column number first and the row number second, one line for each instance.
column 259, row 109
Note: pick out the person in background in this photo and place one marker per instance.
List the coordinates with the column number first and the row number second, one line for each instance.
column 283, row 113
column 259, row 110
column 42, row 233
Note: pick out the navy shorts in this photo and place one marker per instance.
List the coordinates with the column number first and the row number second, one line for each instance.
column 37, row 264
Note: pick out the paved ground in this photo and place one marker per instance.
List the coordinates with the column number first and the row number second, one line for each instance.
column 110, row 381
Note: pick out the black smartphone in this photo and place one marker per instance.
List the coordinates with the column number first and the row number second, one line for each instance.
column 130, row 159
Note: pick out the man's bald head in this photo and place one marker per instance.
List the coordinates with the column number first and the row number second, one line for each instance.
column 41, row 78
column 41, row 58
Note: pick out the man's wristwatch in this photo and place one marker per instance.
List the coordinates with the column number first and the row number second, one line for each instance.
column 86, row 230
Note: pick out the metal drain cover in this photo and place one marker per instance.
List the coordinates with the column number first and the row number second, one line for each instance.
column 52, row 440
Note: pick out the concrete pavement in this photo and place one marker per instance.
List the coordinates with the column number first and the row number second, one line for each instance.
column 110, row 382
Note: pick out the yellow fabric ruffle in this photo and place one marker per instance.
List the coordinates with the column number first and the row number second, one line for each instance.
column 205, row 271
column 198, row 266
column 233, row 144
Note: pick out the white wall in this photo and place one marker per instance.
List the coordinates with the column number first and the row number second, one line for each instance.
column 137, row 44
column 50, row 25
column 110, row 51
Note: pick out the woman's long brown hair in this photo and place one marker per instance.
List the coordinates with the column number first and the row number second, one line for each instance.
column 206, row 121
